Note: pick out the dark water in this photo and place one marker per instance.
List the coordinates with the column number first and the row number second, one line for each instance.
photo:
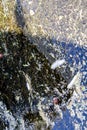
column 18, row 56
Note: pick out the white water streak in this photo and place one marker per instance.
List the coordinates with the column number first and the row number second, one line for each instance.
column 74, row 81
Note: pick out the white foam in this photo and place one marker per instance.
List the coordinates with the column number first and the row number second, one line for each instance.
column 57, row 63
column 74, row 81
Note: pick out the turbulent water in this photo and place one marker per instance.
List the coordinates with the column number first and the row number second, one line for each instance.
column 28, row 85
column 34, row 95
column 76, row 113
column 18, row 110
column 65, row 20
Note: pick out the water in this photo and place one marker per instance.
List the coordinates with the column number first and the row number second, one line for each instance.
column 76, row 115
column 19, row 110
column 28, row 85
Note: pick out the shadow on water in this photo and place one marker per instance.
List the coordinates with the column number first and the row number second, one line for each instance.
column 19, row 56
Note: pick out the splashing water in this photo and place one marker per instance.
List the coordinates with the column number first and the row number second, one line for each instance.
column 74, row 115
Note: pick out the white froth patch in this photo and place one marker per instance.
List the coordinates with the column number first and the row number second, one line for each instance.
column 32, row 12
column 74, row 81
column 57, row 63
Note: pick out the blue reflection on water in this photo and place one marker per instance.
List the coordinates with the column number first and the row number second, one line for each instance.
column 76, row 57
column 65, row 123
